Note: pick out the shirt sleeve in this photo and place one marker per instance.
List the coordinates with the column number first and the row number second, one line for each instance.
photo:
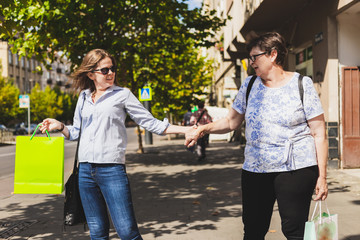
column 239, row 104
column 143, row 117
column 74, row 129
column 312, row 103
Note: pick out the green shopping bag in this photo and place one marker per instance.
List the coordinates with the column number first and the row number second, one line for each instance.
column 39, row 165
column 323, row 227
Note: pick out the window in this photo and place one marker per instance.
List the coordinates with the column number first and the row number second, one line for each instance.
column 23, row 62
column 10, row 57
column 304, row 62
column 17, row 60
column 28, row 65
column 34, row 64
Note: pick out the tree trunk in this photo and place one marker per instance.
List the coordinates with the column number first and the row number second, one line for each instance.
column 141, row 149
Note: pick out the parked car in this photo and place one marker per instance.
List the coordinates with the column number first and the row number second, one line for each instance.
column 3, row 127
column 22, row 129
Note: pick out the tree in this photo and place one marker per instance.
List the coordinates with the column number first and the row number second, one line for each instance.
column 9, row 98
column 148, row 38
column 45, row 104
column 135, row 32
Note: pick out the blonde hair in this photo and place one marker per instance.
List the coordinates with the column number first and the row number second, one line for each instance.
column 80, row 79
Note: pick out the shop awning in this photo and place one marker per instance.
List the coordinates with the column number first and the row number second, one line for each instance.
column 272, row 15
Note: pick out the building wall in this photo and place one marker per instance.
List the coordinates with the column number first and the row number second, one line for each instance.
column 349, row 36
column 224, row 73
column 4, row 58
column 24, row 72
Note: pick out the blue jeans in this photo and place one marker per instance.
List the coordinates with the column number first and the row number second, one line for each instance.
column 102, row 187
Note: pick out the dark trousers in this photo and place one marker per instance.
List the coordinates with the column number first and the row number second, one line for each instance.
column 292, row 191
column 201, row 146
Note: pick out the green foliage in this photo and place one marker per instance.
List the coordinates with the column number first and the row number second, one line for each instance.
column 9, row 99
column 154, row 42
column 45, row 104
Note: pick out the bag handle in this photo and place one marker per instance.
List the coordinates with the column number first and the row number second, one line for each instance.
column 37, row 129
column 319, row 203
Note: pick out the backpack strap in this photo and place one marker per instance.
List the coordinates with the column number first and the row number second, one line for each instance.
column 199, row 118
column 301, row 89
column 251, row 82
column 300, row 83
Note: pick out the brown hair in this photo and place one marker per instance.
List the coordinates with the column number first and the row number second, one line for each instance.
column 80, row 79
column 268, row 42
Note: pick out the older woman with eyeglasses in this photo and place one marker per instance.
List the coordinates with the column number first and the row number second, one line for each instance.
column 101, row 111
column 286, row 148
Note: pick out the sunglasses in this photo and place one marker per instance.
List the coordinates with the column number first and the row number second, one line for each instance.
column 106, row 70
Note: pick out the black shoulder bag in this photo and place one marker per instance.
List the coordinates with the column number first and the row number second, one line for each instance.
column 73, row 209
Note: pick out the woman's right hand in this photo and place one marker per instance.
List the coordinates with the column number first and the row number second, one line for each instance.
column 50, row 124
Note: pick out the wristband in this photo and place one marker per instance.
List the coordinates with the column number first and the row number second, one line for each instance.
column 62, row 127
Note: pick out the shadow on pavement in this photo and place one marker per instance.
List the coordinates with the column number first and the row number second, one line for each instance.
column 173, row 193
column 353, row 237
column 48, row 217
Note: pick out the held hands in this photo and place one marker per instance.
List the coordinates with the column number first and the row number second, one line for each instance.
column 50, row 124
column 321, row 189
column 192, row 135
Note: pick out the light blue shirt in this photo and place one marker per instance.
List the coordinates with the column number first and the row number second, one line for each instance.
column 277, row 134
column 103, row 133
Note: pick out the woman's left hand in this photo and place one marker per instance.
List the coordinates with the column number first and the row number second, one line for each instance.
column 321, row 189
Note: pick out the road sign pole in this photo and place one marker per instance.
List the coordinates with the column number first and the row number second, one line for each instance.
column 29, row 119
column 148, row 135
column 24, row 102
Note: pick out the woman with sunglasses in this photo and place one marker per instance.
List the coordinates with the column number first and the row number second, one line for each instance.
column 286, row 147
column 101, row 111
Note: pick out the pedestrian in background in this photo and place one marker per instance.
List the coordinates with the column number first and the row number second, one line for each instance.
column 187, row 116
column 101, row 111
column 199, row 118
column 286, row 147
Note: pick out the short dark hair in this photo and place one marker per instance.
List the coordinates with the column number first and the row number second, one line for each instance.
column 201, row 104
column 268, row 42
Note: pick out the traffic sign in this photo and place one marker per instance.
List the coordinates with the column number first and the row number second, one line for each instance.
column 24, row 101
column 145, row 94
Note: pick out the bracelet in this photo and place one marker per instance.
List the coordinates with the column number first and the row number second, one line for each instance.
column 62, row 127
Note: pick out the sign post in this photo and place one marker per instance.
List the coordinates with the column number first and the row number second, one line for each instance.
column 145, row 95
column 24, row 102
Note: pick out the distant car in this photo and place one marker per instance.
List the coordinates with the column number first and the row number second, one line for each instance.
column 3, row 127
column 20, row 129
column 33, row 127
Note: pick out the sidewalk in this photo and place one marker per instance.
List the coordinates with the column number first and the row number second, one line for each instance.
column 176, row 198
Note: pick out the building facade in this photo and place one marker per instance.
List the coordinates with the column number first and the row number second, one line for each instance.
column 21, row 70
column 323, row 41
column 24, row 71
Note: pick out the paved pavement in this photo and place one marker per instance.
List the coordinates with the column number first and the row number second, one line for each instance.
column 176, row 198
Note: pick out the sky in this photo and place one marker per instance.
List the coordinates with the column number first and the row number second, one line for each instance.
column 194, row 3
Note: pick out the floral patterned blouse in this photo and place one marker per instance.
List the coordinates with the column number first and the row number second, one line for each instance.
column 277, row 134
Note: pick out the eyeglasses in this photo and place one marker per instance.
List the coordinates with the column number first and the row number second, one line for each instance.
column 253, row 57
column 106, row 70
